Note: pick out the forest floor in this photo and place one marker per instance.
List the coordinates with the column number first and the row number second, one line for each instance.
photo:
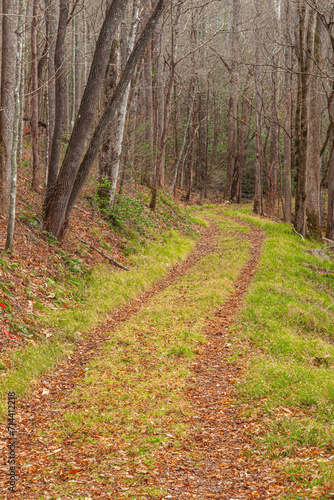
column 178, row 392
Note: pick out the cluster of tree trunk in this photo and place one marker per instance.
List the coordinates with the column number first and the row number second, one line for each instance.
column 217, row 98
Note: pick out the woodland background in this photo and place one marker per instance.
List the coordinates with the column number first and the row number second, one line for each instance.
column 220, row 97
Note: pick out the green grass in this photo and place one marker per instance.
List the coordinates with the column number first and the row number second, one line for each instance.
column 133, row 393
column 289, row 316
column 104, row 292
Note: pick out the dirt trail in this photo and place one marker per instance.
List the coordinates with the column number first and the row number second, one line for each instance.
column 220, row 468
column 51, row 397
column 210, row 463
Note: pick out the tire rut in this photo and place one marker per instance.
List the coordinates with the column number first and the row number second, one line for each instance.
column 36, row 411
column 212, row 461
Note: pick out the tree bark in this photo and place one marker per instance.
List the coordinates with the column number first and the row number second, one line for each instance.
column 233, row 102
column 287, row 115
column 306, row 53
column 257, row 205
column 51, row 36
column 242, row 145
column 18, row 95
column 108, row 143
column 34, row 100
column 60, row 102
column 117, row 151
column 313, row 168
column 148, row 107
column 56, row 222
column 330, row 210
column 8, row 71
column 56, row 208
column 274, row 159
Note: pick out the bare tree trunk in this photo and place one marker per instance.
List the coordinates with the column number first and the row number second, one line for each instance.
column 17, row 96
column 233, row 103
column 191, row 158
column 21, row 92
column 179, row 159
column 34, row 100
column 51, row 35
column 60, row 102
column 257, row 206
column 8, row 72
column 148, row 113
column 123, row 109
column 287, row 115
column 313, row 169
column 330, row 210
column 214, row 143
column 306, row 52
column 158, row 48
column 105, row 160
column 274, row 142
column 242, row 144
column 163, row 140
column 73, row 95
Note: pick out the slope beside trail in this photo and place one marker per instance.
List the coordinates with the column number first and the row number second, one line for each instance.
column 210, row 462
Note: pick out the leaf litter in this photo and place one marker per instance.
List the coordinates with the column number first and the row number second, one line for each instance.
column 213, row 459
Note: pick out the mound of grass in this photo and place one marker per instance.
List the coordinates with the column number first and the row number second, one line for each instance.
column 289, row 316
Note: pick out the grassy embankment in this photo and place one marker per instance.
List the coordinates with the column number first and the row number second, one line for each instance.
column 289, row 316
column 152, row 248
column 132, row 395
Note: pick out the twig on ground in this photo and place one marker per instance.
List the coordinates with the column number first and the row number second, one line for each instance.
column 113, row 261
column 298, row 234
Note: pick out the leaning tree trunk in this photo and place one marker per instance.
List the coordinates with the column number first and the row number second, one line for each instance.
column 69, row 186
column 8, row 71
column 233, row 103
column 56, row 209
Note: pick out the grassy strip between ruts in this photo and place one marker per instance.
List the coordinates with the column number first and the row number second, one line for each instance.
column 126, row 409
column 289, row 316
column 104, row 292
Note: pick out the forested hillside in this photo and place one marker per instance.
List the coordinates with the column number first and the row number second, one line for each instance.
column 166, row 249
